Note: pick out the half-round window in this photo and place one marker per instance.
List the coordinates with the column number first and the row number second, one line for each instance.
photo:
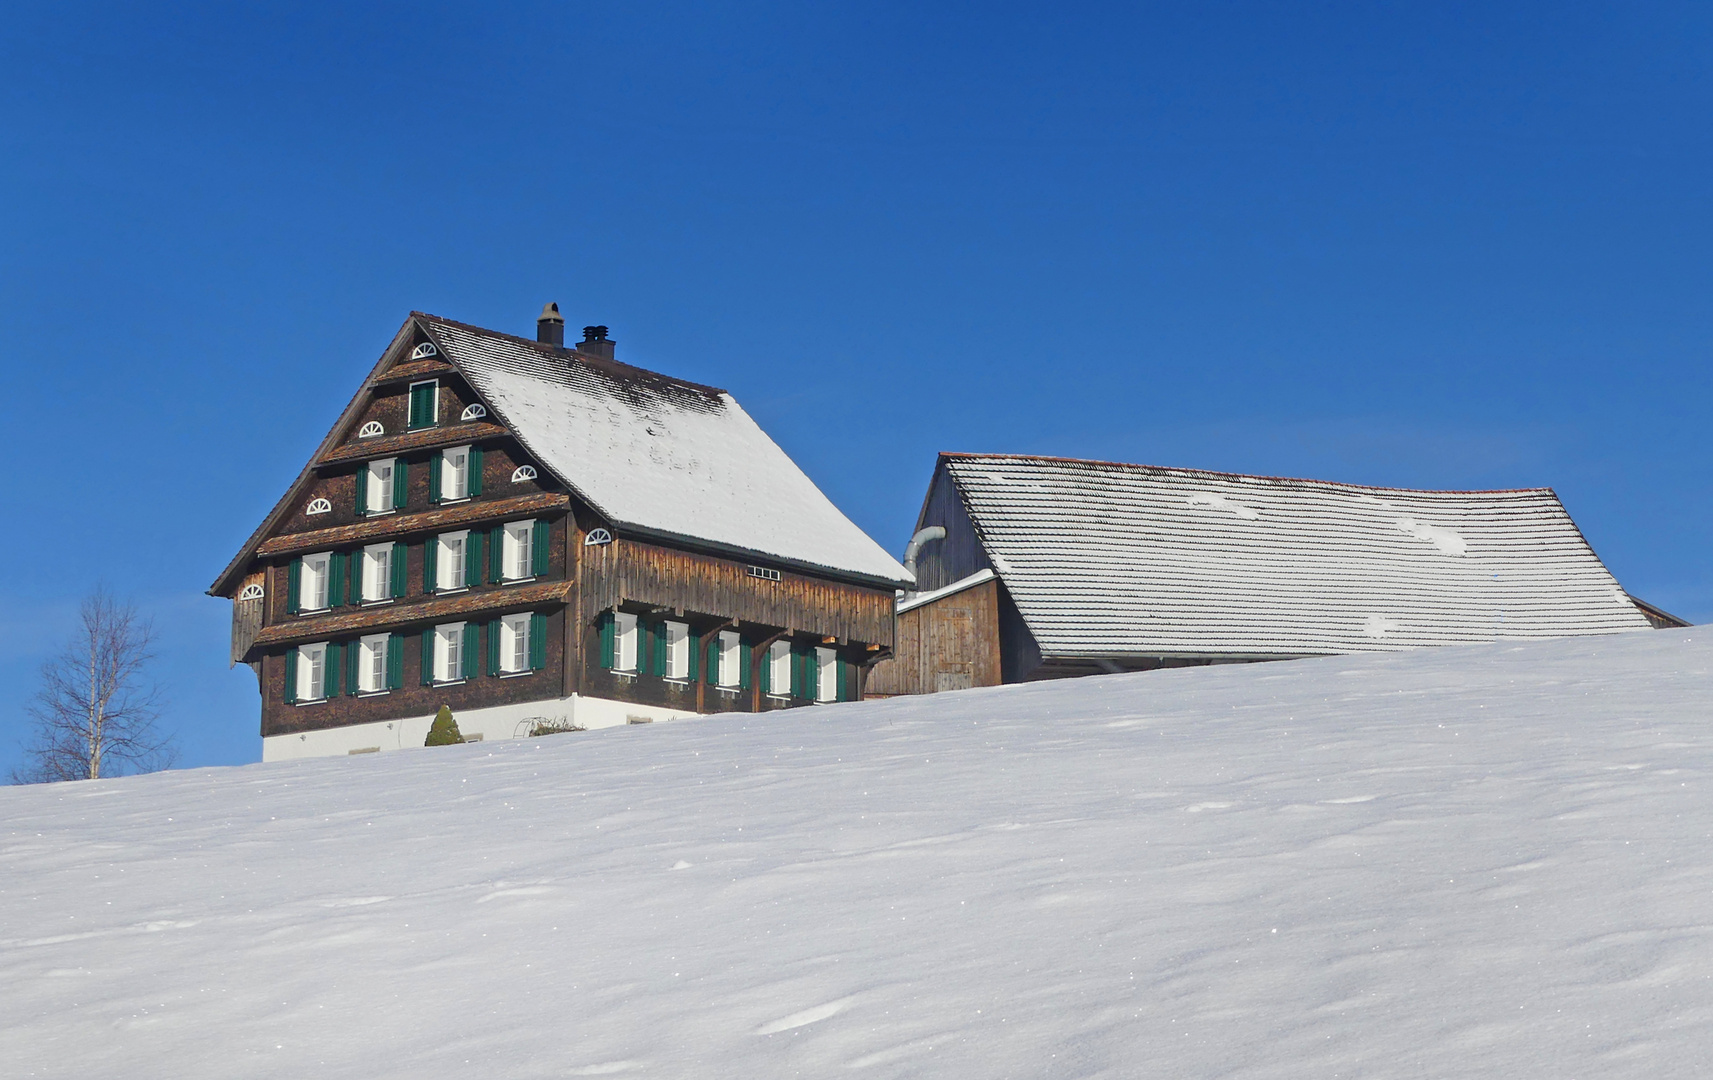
column 251, row 592
column 424, row 351
column 474, row 412
column 522, row 473
column 318, row 506
column 370, row 430
column 597, row 537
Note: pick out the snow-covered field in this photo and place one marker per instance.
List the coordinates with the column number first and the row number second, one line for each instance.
column 1492, row 861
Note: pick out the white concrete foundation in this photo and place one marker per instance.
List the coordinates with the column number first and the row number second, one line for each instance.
column 497, row 722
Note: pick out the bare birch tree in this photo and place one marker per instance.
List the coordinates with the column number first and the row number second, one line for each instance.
column 95, row 713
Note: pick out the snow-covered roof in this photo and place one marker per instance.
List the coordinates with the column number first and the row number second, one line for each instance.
column 660, row 456
column 1108, row 560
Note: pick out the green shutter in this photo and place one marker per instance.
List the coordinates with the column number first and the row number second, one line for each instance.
column 746, row 660
column 843, row 674
column 336, row 579
column 401, row 483
column 294, row 586
column 493, row 647
column 713, row 672
column 428, row 656
column 422, row 405
column 395, row 661
column 400, row 567
column 497, row 554
column 767, row 671
column 660, row 646
column 472, row 645
column 537, row 641
column 353, row 667
column 436, row 467
column 695, row 655
column 362, row 507
column 430, row 564
column 474, row 469
column 330, row 683
column 472, row 559
column 290, row 694
column 607, row 640
column 538, row 550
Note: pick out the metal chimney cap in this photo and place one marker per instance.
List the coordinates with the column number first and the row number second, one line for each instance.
column 550, row 313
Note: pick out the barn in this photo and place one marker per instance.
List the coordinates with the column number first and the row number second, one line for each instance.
column 1043, row 567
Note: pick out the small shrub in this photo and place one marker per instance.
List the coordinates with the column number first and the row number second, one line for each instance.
column 551, row 725
column 444, row 731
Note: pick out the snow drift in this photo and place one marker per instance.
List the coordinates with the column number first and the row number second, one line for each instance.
column 1487, row 861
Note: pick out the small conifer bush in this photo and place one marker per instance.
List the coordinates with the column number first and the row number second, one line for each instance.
column 444, row 731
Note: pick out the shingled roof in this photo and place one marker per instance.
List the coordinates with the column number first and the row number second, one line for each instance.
column 1107, row 560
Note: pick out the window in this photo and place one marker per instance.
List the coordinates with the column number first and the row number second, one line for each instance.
column 449, row 652
column 312, row 583
column 318, row 506
column 371, row 430
column 677, row 651
column 474, row 412
column 311, row 672
column 423, row 351
column 517, row 557
column 372, row 664
column 624, row 641
column 449, row 562
column 379, row 487
column 514, row 644
column 377, row 573
column 826, row 675
column 522, row 473
column 597, row 537
column 455, row 474
column 252, row 591
column 424, row 404
column 779, row 669
column 731, row 658
column 764, row 573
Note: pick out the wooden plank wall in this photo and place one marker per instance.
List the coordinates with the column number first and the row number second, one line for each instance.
column 960, row 554
column 630, row 570
column 950, row 644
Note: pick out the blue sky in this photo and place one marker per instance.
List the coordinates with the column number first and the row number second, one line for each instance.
column 1418, row 245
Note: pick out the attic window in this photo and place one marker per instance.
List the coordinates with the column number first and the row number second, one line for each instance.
column 597, row 537
column 763, row 573
column 370, row 430
column 527, row 472
column 474, row 412
column 318, row 506
column 251, row 591
column 424, row 351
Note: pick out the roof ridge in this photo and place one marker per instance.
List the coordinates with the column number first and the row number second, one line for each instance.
column 963, row 455
column 616, row 368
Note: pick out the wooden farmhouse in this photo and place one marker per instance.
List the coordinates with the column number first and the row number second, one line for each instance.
column 1037, row 568
column 541, row 537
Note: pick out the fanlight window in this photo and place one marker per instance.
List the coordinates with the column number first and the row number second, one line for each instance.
column 251, row 592
column 318, row 506
column 370, row 430
column 474, row 412
column 597, row 537
column 527, row 472
column 424, row 351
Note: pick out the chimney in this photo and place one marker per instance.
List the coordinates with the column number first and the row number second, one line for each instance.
column 550, row 328
column 596, row 343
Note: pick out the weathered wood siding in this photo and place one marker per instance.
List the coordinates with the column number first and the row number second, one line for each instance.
column 247, row 616
column 960, row 554
column 949, row 644
column 693, row 583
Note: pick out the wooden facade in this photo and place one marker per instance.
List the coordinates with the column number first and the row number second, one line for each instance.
column 950, row 642
column 593, row 570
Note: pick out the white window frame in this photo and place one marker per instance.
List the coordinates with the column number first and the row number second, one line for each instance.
column 312, row 673
column 731, row 659
column 514, row 644
column 312, row 582
column 826, row 674
column 449, row 561
column 372, row 664
column 379, row 496
column 450, row 490
column 779, row 669
column 624, row 642
column 677, row 650
column 449, row 653
column 377, row 571
column 515, row 553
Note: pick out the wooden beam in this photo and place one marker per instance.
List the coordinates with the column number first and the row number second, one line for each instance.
column 394, row 525
column 425, row 439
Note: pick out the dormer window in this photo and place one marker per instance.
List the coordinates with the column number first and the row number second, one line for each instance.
column 424, row 404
